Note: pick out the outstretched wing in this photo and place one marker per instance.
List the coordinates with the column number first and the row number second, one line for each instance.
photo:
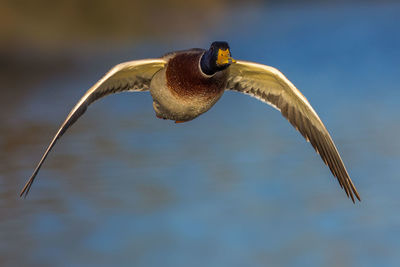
column 272, row 87
column 129, row 76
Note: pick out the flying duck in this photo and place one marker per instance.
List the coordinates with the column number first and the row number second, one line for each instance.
column 185, row 84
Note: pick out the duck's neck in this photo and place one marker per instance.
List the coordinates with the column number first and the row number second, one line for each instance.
column 205, row 64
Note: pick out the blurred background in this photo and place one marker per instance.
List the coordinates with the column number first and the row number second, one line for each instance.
column 238, row 186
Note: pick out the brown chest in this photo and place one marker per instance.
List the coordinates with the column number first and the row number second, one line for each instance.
column 185, row 80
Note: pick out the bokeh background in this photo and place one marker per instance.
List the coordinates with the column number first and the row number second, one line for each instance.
column 238, row 186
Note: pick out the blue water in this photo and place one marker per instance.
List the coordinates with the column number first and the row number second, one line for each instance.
column 236, row 187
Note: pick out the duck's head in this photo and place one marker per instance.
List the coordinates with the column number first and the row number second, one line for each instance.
column 217, row 58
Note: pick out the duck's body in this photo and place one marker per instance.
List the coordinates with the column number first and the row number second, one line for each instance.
column 185, row 84
column 181, row 91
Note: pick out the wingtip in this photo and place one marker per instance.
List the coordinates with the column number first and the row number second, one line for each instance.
column 354, row 190
column 24, row 192
column 357, row 196
column 352, row 197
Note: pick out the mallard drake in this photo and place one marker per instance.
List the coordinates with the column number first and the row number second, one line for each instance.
column 185, row 84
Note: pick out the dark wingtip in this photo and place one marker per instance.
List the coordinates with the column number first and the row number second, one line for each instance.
column 357, row 196
column 354, row 190
column 352, row 198
column 24, row 192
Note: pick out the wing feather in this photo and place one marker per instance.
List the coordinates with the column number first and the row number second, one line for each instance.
column 272, row 87
column 129, row 76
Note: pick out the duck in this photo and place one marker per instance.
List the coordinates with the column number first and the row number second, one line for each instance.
column 185, row 84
